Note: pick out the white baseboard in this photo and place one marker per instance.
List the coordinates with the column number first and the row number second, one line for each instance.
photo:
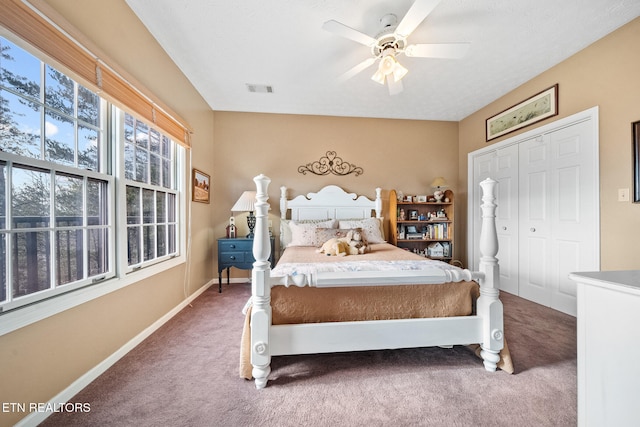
column 35, row 418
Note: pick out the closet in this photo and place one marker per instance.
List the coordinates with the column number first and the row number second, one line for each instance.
column 548, row 208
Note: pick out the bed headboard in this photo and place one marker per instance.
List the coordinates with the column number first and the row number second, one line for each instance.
column 331, row 202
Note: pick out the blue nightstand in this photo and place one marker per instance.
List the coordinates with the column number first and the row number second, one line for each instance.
column 237, row 253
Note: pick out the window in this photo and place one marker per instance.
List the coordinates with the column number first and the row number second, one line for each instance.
column 151, row 193
column 68, row 158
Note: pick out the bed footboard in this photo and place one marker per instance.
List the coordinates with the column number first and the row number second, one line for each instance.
column 485, row 328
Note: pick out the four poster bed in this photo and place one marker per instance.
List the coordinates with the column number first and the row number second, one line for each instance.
column 387, row 298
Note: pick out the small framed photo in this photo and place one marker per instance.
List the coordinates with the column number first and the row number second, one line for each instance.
column 422, row 199
column 413, row 214
column 200, row 186
column 408, row 199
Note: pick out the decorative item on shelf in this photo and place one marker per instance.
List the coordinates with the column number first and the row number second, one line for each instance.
column 246, row 203
column 402, row 216
column 413, row 214
column 231, row 228
column 439, row 184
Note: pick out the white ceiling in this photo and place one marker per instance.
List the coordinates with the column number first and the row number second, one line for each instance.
column 223, row 45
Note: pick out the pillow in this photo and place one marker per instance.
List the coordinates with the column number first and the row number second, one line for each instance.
column 303, row 233
column 324, row 234
column 371, row 227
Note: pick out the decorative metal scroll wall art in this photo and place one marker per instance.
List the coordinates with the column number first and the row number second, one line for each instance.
column 330, row 163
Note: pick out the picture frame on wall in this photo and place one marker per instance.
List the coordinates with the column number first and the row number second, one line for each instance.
column 635, row 127
column 200, row 186
column 532, row 110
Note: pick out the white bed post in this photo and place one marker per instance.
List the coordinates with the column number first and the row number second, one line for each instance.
column 489, row 306
column 261, row 288
column 378, row 202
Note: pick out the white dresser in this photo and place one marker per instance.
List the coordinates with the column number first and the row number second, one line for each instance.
column 608, row 326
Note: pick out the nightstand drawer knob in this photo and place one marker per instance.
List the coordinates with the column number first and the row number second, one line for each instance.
column 232, row 257
column 232, row 246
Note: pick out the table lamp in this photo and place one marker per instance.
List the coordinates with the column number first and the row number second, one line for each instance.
column 246, row 203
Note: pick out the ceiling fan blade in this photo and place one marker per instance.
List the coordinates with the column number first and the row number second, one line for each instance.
column 357, row 69
column 395, row 87
column 342, row 30
column 437, row 50
column 416, row 14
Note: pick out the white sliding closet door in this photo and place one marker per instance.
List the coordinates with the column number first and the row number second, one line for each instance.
column 507, row 217
column 501, row 165
column 558, row 214
column 547, row 217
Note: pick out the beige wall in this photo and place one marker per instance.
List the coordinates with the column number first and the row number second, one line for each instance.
column 604, row 74
column 394, row 154
column 39, row 361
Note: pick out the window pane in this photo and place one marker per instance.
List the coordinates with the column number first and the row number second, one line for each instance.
column 31, row 262
column 148, row 242
column 68, row 256
column 155, row 169
column 171, row 207
column 154, row 139
column 161, row 240
column 98, row 240
column 19, row 125
column 166, row 174
column 130, row 162
column 161, row 207
column 59, row 138
column 142, row 165
column 88, row 106
column 58, row 91
column 97, row 202
column 68, row 201
column 166, row 143
column 133, row 205
column 142, row 134
column 133, row 245
column 171, row 239
column 147, row 206
column 88, row 148
column 19, row 70
column 31, row 199
column 129, row 122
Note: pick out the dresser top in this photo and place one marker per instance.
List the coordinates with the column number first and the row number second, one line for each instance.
column 620, row 278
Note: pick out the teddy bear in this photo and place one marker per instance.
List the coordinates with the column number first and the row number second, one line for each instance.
column 357, row 242
column 335, row 247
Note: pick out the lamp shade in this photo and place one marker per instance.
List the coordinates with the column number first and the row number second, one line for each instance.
column 439, row 182
column 246, row 202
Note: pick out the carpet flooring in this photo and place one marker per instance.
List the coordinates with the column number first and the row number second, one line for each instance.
column 186, row 374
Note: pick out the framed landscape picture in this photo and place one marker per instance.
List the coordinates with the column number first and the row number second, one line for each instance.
column 528, row 112
column 200, row 183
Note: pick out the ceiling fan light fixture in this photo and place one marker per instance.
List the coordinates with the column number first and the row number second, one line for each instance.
column 399, row 72
column 378, row 76
column 387, row 64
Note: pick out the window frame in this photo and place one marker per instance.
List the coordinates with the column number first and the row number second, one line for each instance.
column 118, row 275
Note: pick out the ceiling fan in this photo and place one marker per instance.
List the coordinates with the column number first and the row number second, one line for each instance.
column 392, row 42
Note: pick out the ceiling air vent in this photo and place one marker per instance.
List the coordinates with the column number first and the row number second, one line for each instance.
column 259, row 88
